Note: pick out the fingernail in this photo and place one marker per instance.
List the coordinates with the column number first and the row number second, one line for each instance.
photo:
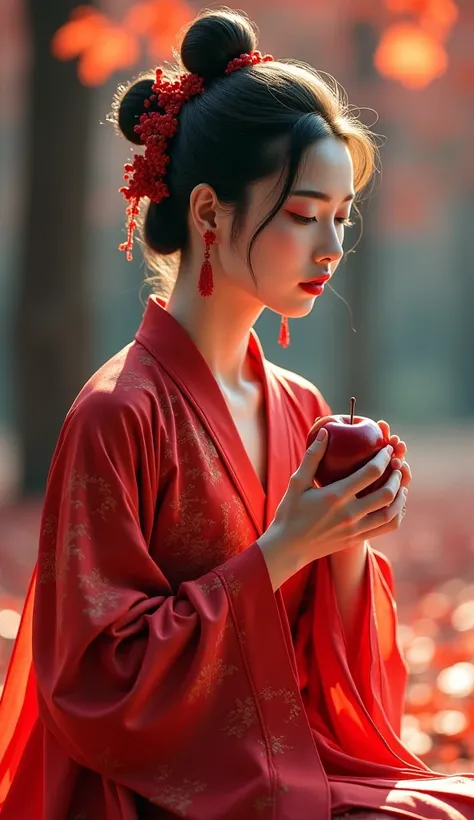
column 321, row 435
column 405, row 491
column 390, row 449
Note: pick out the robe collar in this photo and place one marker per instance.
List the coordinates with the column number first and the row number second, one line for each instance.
column 169, row 343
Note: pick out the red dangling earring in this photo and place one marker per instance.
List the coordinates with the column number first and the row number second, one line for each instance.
column 284, row 336
column 206, row 284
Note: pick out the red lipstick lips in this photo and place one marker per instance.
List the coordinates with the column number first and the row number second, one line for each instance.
column 316, row 286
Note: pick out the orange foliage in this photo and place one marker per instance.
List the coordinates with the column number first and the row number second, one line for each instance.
column 104, row 47
column 440, row 17
column 79, row 34
column 435, row 16
column 159, row 22
column 410, row 55
column 410, row 51
column 115, row 49
column 413, row 52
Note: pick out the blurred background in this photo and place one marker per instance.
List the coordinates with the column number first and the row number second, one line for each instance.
column 404, row 348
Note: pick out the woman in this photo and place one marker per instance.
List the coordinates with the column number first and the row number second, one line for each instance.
column 213, row 635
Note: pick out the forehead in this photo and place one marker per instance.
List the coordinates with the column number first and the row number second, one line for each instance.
column 327, row 166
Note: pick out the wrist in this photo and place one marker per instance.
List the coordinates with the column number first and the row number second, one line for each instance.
column 348, row 554
column 281, row 557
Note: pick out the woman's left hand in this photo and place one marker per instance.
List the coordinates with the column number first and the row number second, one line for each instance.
column 399, row 453
column 398, row 463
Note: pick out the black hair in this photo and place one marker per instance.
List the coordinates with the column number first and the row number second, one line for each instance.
column 244, row 127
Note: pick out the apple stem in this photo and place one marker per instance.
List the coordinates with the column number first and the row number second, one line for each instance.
column 353, row 404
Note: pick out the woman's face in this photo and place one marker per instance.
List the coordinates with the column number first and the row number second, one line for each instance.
column 304, row 240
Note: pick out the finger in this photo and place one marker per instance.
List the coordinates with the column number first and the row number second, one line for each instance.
column 406, row 474
column 385, row 428
column 383, row 521
column 381, row 498
column 400, row 449
column 362, row 478
column 304, row 476
column 394, row 441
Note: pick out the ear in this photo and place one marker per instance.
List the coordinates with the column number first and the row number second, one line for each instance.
column 203, row 208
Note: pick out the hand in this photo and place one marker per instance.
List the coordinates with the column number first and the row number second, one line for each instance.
column 398, row 463
column 399, row 453
column 313, row 522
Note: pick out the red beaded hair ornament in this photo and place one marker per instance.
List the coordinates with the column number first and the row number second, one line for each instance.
column 146, row 174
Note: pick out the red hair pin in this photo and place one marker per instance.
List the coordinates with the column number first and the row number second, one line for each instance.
column 146, row 174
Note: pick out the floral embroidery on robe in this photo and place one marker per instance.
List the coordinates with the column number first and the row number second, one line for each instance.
column 156, row 674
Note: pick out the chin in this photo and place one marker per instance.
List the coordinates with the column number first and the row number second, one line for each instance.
column 301, row 310
column 295, row 309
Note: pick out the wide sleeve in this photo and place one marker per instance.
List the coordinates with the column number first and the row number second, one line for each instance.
column 132, row 679
column 354, row 695
column 355, row 709
column 377, row 666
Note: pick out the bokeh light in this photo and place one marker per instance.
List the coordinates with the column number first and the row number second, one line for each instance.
column 457, row 680
column 9, row 623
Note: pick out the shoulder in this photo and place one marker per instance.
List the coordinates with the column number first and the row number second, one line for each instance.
column 112, row 438
column 301, row 391
column 126, row 395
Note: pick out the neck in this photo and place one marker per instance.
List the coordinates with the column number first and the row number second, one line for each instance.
column 219, row 325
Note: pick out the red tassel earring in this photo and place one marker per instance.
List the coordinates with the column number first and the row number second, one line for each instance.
column 284, row 336
column 206, row 284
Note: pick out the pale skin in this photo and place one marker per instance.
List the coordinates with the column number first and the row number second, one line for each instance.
column 304, row 241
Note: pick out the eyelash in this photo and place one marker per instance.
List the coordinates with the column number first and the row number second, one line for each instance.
column 305, row 220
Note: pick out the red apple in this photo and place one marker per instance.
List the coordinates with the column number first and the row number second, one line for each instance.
column 353, row 441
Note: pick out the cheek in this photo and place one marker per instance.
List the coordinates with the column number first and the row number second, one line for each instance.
column 282, row 245
column 275, row 249
column 284, row 239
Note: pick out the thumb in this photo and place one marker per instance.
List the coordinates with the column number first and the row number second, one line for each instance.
column 312, row 458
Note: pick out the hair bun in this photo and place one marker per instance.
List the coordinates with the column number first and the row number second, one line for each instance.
column 214, row 39
column 131, row 106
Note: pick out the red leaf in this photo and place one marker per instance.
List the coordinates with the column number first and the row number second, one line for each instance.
column 83, row 29
column 159, row 21
column 115, row 49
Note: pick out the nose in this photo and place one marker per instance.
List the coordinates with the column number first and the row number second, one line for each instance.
column 330, row 251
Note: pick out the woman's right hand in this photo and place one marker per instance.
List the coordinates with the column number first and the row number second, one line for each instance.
column 313, row 522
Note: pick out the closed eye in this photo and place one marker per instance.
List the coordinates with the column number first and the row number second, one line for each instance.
column 305, row 220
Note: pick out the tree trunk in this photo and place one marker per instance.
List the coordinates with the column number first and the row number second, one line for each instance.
column 361, row 276
column 52, row 316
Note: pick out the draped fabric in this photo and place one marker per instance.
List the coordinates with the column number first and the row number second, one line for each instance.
column 156, row 674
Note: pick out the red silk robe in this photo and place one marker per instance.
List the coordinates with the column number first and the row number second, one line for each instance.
column 168, row 679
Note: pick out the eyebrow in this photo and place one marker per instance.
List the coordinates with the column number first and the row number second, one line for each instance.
column 319, row 195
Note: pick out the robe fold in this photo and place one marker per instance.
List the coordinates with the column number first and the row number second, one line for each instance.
column 156, row 674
